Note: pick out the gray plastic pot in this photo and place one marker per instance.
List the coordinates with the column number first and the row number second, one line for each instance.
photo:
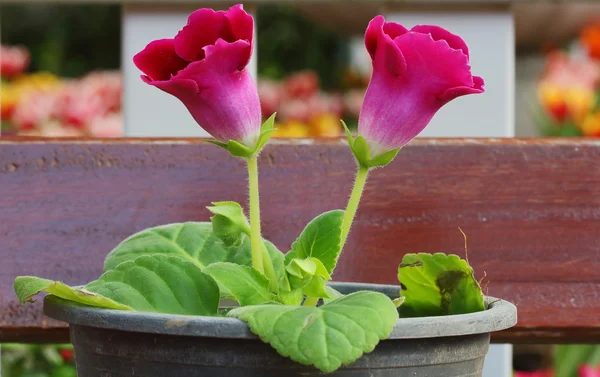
column 112, row 343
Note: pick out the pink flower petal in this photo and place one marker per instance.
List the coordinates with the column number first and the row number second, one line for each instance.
column 441, row 34
column 458, row 91
column 220, row 95
column 240, row 23
column 394, row 29
column 434, row 65
column 222, row 57
column 159, row 61
column 377, row 29
column 374, row 30
column 385, row 53
column 205, row 27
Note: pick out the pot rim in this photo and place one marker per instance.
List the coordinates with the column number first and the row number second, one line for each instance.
column 500, row 315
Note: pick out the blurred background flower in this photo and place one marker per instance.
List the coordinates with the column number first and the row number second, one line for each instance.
column 569, row 87
column 41, row 104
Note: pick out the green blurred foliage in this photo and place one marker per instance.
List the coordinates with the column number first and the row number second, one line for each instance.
column 67, row 40
column 569, row 358
column 288, row 42
column 32, row 360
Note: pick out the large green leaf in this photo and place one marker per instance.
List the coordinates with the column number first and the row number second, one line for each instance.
column 160, row 283
column 193, row 241
column 328, row 336
column 242, row 255
column 438, row 284
column 26, row 287
column 320, row 239
column 247, row 285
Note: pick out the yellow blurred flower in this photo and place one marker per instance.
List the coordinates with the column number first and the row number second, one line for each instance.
column 325, row 125
column 291, row 129
column 567, row 102
column 38, row 80
column 12, row 92
column 591, row 125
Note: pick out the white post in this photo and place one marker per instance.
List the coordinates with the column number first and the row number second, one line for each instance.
column 147, row 111
column 491, row 40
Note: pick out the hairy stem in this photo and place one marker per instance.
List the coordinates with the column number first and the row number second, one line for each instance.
column 255, row 236
column 357, row 190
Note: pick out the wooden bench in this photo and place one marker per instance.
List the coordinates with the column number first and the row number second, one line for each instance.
column 530, row 208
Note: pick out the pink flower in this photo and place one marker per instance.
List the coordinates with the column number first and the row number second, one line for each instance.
column 34, row 109
column 588, row 371
column 415, row 72
column 13, row 61
column 79, row 104
column 108, row 126
column 205, row 67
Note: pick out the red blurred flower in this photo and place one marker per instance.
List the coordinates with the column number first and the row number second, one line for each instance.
column 13, row 61
column 67, row 354
column 588, row 371
column 590, row 38
column 33, row 109
column 302, row 84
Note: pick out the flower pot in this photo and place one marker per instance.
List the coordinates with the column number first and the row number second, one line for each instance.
column 111, row 343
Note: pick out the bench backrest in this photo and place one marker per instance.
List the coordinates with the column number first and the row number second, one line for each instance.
column 530, row 209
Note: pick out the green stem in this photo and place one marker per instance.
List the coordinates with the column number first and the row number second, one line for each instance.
column 357, row 190
column 255, row 237
column 311, row 301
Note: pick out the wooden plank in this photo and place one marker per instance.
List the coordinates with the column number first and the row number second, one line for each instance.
column 530, row 208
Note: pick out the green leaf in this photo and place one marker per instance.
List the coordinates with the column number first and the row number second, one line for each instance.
column 310, row 275
column 332, row 294
column 229, row 222
column 266, row 130
column 238, row 149
column 438, row 284
column 348, row 135
column 217, row 143
column 320, row 239
column 242, row 255
column 193, row 241
column 26, row 287
column 328, row 336
column 384, row 158
column 361, row 151
column 247, row 285
column 161, row 284
column 278, row 260
column 293, row 297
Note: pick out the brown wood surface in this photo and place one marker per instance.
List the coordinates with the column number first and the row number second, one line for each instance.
column 530, row 208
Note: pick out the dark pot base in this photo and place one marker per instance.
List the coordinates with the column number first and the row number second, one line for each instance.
column 104, row 353
column 111, row 343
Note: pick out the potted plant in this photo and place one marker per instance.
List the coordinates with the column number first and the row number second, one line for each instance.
column 216, row 299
